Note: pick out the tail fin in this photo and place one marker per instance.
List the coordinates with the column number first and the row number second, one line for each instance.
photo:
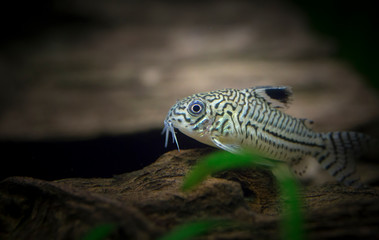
column 338, row 158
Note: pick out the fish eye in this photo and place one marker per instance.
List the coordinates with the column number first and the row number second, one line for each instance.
column 196, row 107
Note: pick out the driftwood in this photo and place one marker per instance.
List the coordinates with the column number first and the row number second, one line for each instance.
column 147, row 203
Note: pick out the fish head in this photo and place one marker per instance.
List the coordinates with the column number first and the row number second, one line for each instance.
column 191, row 116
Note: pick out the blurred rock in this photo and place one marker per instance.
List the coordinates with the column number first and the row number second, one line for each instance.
column 146, row 203
column 36, row 209
column 122, row 69
column 155, row 190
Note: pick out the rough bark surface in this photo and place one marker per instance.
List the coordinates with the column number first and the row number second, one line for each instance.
column 147, row 203
column 36, row 209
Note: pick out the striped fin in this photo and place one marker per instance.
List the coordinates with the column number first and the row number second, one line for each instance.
column 299, row 166
column 341, row 151
column 276, row 97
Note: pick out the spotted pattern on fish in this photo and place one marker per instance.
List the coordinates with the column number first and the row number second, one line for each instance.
column 252, row 118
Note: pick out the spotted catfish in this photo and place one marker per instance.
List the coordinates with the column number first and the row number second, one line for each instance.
column 252, row 118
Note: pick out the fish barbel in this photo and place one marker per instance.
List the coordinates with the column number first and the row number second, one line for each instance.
column 251, row 118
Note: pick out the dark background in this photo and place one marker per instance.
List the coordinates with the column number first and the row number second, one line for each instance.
column 353, row 26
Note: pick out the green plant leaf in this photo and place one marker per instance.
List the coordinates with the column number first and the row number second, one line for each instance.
column 221, row 161
column 292, row 218
column 100, row 232
column 193, row 229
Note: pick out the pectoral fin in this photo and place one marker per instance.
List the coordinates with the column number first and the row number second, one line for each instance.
column 227, row 147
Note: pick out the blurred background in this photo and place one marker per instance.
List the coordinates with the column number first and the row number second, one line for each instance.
column 85, row 86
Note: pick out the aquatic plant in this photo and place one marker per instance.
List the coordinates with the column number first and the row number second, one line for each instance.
column 100, row 232
column 193, row 229
column 292, row 219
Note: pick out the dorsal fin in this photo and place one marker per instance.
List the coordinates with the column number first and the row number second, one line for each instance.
column 277, row 97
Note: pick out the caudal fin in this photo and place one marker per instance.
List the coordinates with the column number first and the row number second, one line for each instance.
column 338, row 158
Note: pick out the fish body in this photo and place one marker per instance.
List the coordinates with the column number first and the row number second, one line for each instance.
column 252, row 118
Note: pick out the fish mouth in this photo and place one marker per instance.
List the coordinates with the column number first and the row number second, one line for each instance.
column 169, row 128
